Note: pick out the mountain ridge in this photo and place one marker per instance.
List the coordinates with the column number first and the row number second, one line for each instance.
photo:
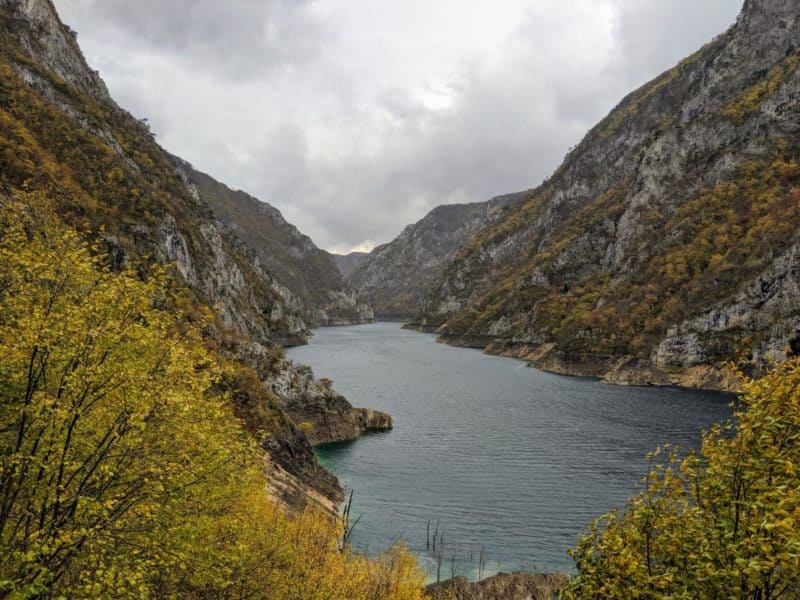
column 645, row 244
column 309, row 273
column 394, row 277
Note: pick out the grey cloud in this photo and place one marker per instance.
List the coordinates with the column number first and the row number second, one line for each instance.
column 236, row 39
column 653, row 33
column 349, row 166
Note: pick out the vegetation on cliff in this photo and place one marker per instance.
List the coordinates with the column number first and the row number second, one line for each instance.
column 720, row 523
column 717, row 240
column 668, row 235
column 394, row 277
column 105, row 169
column 124, row 471
column 66, row 142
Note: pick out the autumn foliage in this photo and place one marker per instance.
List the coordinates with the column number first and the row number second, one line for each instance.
column 123, row 470
column 721, row 523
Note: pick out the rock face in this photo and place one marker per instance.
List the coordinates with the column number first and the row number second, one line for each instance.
column 114, row 176
column 271, row 281
column 347, row 263
column 66, row 142
column 310, row 274
column 344, row 307
column 394, row 277
column 503, row 586
column 667, row 242
column 54, row 45
column 636, row 371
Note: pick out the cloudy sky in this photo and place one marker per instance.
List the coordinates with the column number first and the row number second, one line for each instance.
column 356, row 117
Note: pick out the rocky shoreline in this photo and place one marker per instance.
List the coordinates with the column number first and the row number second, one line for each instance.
column 503, row 586
column 321, row 413
column 615, row 370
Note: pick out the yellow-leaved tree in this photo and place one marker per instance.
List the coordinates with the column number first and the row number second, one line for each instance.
column 720, row 523
column 123, row 473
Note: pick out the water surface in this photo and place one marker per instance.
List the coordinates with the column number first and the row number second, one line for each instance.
column 503, row 456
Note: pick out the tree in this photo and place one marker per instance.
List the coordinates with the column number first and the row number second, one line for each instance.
column 123, row 470
column 722, row 523
column 105, row 426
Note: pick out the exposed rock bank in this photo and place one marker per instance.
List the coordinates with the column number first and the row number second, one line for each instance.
column 322, row 414
column 503, row 586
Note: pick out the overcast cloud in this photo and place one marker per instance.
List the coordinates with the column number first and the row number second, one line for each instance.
column 356, row 117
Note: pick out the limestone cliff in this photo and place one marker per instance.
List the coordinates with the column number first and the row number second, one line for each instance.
column 394, row 277
column 310, row 274
column 322, row 414
column 113, row 177
column 668, row 241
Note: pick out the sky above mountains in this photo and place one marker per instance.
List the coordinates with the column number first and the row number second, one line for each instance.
column 356, row 117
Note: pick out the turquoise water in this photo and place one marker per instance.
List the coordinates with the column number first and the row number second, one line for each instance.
column 507, row 459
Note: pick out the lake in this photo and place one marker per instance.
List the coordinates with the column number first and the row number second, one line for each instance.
column 508, row 460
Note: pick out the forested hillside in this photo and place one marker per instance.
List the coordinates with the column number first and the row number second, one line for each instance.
column 130, row 464
column 666, row 244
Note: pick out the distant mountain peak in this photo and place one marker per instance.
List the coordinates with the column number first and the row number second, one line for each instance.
column 394, row 277
column 347, row 263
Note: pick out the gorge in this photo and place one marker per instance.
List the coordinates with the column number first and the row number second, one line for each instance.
column 655, row 272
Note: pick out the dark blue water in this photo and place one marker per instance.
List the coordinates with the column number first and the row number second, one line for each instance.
column 505, row 457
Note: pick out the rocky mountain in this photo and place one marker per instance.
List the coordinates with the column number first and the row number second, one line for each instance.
column 310, row 274
column 112, row 176
column 394, row 277
column 668, row 241
column 347, row 263
column 66, row 143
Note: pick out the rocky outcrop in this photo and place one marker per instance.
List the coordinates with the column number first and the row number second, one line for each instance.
column 347, row 263
column 394, row 277
column 261, row 382
column 54, row 45
column 636, row 371
column 323, row 415
column 666, row 244
column 344, row 307
column 503, row 586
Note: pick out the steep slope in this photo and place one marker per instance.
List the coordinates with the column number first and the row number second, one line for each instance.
column 64, row 143
column 347, row 263
column 668, row 241
column 63, row 133
column 309, row 273
column 394, row 277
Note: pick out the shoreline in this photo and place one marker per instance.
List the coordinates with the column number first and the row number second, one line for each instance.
column 508, row 567
column 622, row 370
